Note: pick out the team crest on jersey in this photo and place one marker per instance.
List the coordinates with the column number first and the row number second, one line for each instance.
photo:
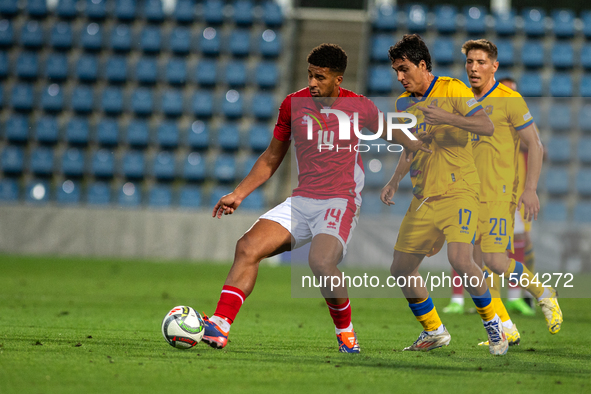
column 488, row 109
column 434, row 102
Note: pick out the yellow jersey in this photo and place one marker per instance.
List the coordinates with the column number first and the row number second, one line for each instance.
column 451, row 161
column 496, row 156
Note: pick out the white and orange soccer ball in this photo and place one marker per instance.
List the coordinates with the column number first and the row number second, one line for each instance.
column 182, row 327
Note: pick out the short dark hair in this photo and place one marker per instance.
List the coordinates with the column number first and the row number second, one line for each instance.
column 413, row 48
column 482, row 44
column 330, row 56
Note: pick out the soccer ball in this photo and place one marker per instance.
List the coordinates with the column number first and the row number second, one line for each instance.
column 182, row 327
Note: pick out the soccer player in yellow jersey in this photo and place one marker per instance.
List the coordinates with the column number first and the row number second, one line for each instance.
column 445, row 186
column 496, row 161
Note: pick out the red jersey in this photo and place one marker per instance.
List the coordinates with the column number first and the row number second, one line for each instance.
column 325, row 172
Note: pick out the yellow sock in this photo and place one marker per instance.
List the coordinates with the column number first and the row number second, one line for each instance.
column 426, row 314
column 495, row 293
column 515, row 267
column 486, row 313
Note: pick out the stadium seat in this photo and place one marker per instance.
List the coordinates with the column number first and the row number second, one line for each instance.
column 107, row 132
column 184, row 11
column 224, row 168
column 217, row 193
column 16, row 129
column 561, row 85
column 142, row 101
column 138, row 133
column 22, row 97
column 103, row 163
column 160, row 196
column 82, row 100
column 235, row 73
column 133, row 165
column 6, row 33
column 259, row 137
column 9, row 8
column 176, row 71
column 445, row 19
column 232, row 104
column 9, row 190
column 255, row 201
column 266, row 75
column 583, row 182
column 584, row 150
column 61, row 36
column 36, row 8
column 130, row 195
column 37, row 191
column 121, row 38
column 239, row 42
column 263, row 106
column 179, row 40
column 73, row 162
column 52, row 98
column 96, row 9
column 530, row 85
column 560, row 117
column 506, row 53
column 194, row 167
column 475, row 20
column 533, row 22
column 385, row 18
column 381, row 79
column 585, row 57
column 56, row 67
column 92, row 37
column 559, row 149
column 557, row 180
column 41, row 161
column 243, row 12
column 112, row 100
column 582, row 212
column 116, row 69
column 532, row 54
column 203, row 104
column 172, row 102
column 12, row 160
column 270, row 44
column 586, row 19
column 47, row 130
column 153, row 11
column 210, row 42
column 246, row 165
column 66, row 9
column 443, row 51
column 206, row 72
column 371, row 203
column 87, row 68
column 229, row 137
column 213, row 12
column 564, row 23
column 198, row 135
column 167, row 134
column 27, row 65
column 272, row 14
column 554, row 211
column 563, row 55
column 417, row 18
column 77, row 131
column 585, row 86
column 164, row 166
column 98, row 193
column 4, row 64
column 380, row 44
column 505, row 23
column 190, row 197
column 68, row 193
column 585, row 118
column 150, row 39
column 32, row 35
column 125, row 10
column 146, row 70
column 535, row 109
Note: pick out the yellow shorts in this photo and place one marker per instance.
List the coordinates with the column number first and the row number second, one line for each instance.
column 495, row 226
column 452, row 217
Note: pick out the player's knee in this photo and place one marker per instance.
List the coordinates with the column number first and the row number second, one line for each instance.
column 398, row 270
column 322, row 264
column 247, row 250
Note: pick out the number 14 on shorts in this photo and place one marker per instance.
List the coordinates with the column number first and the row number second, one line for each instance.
column 332, row 218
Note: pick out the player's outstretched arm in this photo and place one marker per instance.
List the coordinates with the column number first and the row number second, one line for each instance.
column 391, row 187
column 535, row 154
column 479, row 123
column 263, row 169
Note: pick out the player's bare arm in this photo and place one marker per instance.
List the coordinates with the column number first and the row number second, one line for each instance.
column 479, row 123
column 529, row 198
column 263, row 169
column 391, row 187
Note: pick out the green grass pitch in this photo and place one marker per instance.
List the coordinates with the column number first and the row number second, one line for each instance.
column 73, row 325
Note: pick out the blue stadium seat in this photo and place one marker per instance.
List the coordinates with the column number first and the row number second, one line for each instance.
column 417, row 18
column 96, row 9
column 56, row 67
column 22, row 97
column 68, row 193
column 6, row 33
column 585, row 118
column 564, row 23
column 443, row 51
column 254, row 202
column 239, row 42
column 184, row 11
column 47, row 130
column 557, row 180
column 179, row 40
column 554, row 211
column 102, row 164
column 475, row 20
column 530, row 85
column 190, row 197
column 133, row 165
column 153, row 11
column 532, row 54
column 198, row 135
column 232, row 104
column 9, row 190
column 375, row 176
column 235, row 73
column 92, row 37
column 142, row 101
column 535, row 109
column 560, row 117
column 61, row 36
column 263, row 105
column 176, row 71
column 37, row 191
column 561, row 85
column 584, row 150
column 505, row 23
column 203, row 104
column 380, row 44
column 206, row 72
column 17, row 129
column 259, row 137
column 381, row 79
column 559, row 149
column 583, row 182
column 32, row 35
column 4, row 66
column 445, row 19
column 563, row 55
column 66, row 9
column 243, row 12
column 585, row 86
column 229, row 137
column 217, row 193
column 125, row 10
column 270, row 44
column 138, row 133
column 77, row 131
column 210, row 42
column 36, row 8
column 164, row 166
column 586, row 19
column 9, row 8
column 112, row 100
column 266, row 75
column 107, row 132
column 82, row 99
column 586, row 56
column 160, row 196
column 371, row 203
column 12, row 160
column 172, row 102
column 27, row 65
column 167, row 134
column 582, row 212
column 213, row 12
column 385, row 18
column 151, row 39
column 116, row 69
column 41, row 161
column 224, row 169
column 121, row 38
column 194, row 167
column 73, row 162
column 506, row 53
column 533, row 22
column 272, row 14
column 130, row 195
column 98, row 193
column 52, row 98
column 146, row 70
column 87, row 68
column 247, row 165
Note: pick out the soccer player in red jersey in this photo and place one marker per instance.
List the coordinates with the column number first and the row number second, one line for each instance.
column 324, row 207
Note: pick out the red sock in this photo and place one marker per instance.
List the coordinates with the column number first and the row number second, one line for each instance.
column 519, row 254
column 456, row 290
column 230, row 302
column 341, row 314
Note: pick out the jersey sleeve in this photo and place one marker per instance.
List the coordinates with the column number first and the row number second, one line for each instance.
column 282, row 130
column 518, row 112
column 372, row 115
column 463, row 99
